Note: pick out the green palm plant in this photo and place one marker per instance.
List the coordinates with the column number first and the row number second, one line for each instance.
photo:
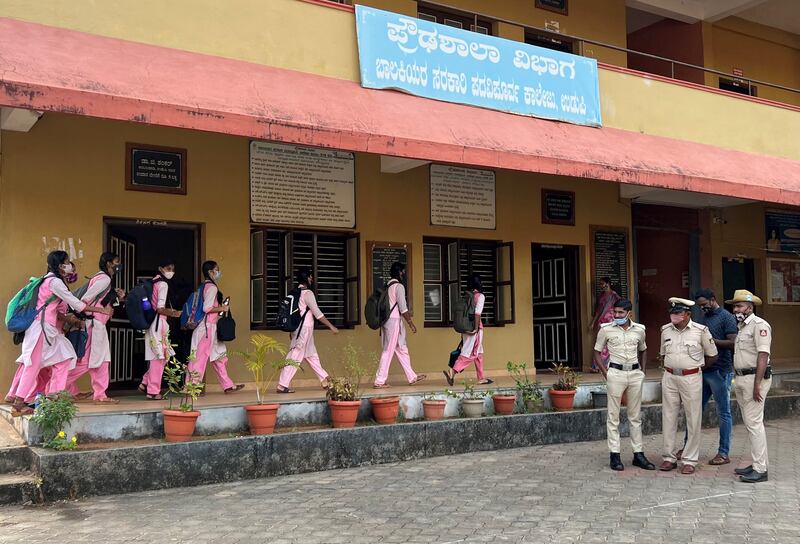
column 258, row 362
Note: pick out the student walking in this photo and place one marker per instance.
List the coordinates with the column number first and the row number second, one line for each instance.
column 97, row 358
column 45, row 345
column 301, row 347
column 472, row 342
column 393, row 332
column 157, row 345
column 205, row 344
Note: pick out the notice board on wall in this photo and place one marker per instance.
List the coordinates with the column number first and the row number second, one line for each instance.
column 380, row 257
column 784, row 281
column 609, row 253
column 297, row 185
column 462, row 197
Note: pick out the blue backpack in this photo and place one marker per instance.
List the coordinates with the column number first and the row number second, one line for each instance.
column 193, row 312
column 22, row 310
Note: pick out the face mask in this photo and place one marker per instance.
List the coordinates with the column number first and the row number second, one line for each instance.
column 69, row 269
column 117, row 268
column 676, row 319
column 168, row 275
column 72, row 278
column 739, row 317
column 216, row 275
column 620, row 320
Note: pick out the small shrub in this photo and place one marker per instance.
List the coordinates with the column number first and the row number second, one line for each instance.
column 52, row 416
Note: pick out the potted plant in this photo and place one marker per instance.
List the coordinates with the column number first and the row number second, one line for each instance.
column 529, row 391
column 562, row 393
column 472, row 401
column 262, row 417
column 344, row 392
column 385, row 409
column 433, row 407
column 179, row 424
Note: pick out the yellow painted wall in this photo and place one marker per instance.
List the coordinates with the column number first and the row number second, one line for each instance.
column 628, row 102
column 50, row 188
column 744, row 236
column 761, row 52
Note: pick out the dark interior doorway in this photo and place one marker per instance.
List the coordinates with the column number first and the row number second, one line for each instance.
column 737, row 273
column 556, row 315
column 142, row 244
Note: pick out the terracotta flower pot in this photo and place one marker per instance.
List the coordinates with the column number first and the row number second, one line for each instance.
column 472, row 407
column 434, row 409
column 504, row 404
column 262, row 418
column 179, row 426
column 562, row 400
column 385, row 409
column 344, row 412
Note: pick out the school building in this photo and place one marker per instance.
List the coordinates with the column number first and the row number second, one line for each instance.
column 247, row 132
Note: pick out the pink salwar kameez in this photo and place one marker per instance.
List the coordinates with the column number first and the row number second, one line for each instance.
column 472, row 344
column 301, row 347
column 393, row 336
column 205, row 345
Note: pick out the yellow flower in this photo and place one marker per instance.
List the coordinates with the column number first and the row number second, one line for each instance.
column 74, row 439
column 61, row 434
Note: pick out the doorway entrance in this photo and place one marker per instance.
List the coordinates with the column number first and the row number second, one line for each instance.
column 737, row 273
column 142, row 244
column 556, row 316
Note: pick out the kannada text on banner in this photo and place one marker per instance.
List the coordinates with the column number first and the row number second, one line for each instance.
column 445, row 63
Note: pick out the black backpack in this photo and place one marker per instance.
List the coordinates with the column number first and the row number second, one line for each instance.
column 377, row 310
column 289, row 318
column 139, row 306
column 464, row 313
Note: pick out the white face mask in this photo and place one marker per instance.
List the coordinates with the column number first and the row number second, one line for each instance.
column 216, row 275
column 69, row 268
column 740, row 317
column 168, row 275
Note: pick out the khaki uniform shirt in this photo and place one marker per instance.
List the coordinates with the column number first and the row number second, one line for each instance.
column 623, row 345
column 755, row 335
column 687, row 348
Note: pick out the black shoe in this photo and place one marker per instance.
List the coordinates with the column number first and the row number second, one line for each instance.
column 743, row 471
column 754, row 477
column 639, row 460
column 616, row 462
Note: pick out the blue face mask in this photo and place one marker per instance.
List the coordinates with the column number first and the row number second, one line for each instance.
column 620, row 321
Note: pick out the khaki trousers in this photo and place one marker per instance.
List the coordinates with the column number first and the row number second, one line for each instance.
column 688, row 391
column 753, row 417
column 618, row 382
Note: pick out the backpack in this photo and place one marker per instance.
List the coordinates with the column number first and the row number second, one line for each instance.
column 464, row 313
column 139, row 306
column 22, row 310
column 193, row 312
column 289, row 318
column 377, row 310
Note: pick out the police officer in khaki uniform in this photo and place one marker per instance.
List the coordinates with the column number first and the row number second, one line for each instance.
column 753, row 379
column 685, row 347
column 627, row 350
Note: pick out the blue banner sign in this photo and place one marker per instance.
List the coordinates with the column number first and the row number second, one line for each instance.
column 445, row 63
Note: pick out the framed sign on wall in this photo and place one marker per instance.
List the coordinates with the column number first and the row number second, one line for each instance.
column 784, row 281
column 380, row 257
column 558, row 207
column 609, row 255
column 557, row 6
column 155, row 168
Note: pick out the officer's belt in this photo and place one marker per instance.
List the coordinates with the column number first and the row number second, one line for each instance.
column 682, row 371
column 617, row 366
column 747, row 371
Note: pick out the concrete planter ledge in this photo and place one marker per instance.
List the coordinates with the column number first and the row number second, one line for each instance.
column 139, row 468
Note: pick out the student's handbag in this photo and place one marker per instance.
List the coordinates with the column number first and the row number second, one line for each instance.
column 78, row 338
column 454, row 355
column 226, row 328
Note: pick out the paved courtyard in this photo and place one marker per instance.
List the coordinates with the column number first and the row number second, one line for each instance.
column 562, row 493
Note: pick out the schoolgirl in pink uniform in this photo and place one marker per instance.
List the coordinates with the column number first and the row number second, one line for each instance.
column 472, row 342
column 45, row 345
column 97, row 358
column 393, row 332
column 205, row 345
column 301, row 347
column 157, row 345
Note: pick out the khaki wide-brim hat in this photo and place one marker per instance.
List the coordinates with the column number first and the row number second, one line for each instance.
column 743, row 295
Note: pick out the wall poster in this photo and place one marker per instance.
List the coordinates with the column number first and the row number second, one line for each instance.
column 462, row 197
column 609, row 255
column 297, row 185
column 782, row 231
column 784, row 281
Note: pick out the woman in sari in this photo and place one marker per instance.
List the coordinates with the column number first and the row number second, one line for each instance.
column 603, row 313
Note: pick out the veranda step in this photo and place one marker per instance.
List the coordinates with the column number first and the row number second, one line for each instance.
column 17, row 488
